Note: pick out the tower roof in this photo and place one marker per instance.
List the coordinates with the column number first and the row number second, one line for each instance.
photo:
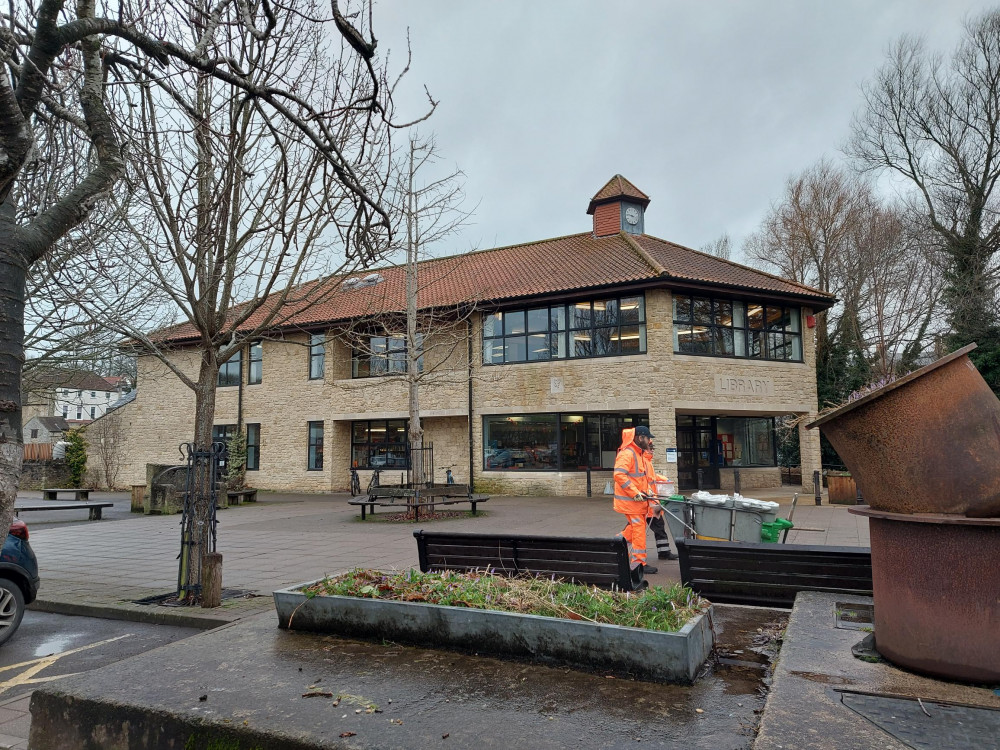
column 615, row 189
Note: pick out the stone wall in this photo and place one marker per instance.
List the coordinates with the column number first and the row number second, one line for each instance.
column 39, row 475
column 659, row 383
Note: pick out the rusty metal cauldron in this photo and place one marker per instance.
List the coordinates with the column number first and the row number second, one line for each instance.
column 925, row 451
column 926, row 443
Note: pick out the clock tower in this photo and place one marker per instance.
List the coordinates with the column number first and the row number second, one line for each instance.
column 619, row 206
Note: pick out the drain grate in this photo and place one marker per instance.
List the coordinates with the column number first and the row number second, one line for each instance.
column 170, row 600
column 926, row 724
column 854, row 616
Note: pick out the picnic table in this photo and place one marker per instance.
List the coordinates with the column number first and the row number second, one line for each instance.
column 415, row 498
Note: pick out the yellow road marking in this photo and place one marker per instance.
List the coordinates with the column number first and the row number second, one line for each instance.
column 27, row 677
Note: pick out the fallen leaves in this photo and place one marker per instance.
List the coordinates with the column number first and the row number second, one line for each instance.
column 348, row 734
column 320, row 693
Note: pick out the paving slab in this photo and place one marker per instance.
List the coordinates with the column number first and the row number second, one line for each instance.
column 251, row 685
column 823, row 697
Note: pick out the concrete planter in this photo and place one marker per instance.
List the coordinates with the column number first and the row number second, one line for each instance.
column 646, row 654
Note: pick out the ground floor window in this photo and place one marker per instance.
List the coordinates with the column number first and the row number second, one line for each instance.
column 315, row 460
column 253, row 447
column 379, row 444
column 707, row 444
column 554, row 442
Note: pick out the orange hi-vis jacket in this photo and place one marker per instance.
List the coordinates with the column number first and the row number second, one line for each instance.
column 633, row 475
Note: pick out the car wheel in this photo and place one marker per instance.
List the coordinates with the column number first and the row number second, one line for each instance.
column 11, row 609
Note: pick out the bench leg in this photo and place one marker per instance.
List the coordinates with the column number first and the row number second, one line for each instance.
column 473, row 508
column 95, row 514
column 362, row 511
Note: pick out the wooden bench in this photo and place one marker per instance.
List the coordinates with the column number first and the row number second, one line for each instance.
column 94, row 508
column 415, row 499
column 600, row 562
column 238, row 497
column 772, row 574
column 78, row 494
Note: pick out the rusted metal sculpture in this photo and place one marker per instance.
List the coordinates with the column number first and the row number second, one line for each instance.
column 925, row 451
column 926, row 443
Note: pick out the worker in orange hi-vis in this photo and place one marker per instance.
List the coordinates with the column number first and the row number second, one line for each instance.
column 632, row 488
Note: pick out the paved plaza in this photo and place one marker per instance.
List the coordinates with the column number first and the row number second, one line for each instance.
column 101, row 567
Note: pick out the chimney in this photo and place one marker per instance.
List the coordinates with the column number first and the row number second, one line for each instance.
column 619, row 206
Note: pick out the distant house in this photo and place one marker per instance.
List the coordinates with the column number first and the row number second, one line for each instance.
column 78, row 396
column 45, row 430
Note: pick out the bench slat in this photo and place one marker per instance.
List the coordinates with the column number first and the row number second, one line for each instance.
column 527, row 563
column 507, row 551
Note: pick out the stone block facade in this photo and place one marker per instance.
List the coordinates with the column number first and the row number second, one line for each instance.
column 456, row 397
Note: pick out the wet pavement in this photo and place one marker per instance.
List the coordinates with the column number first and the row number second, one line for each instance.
column 313, row 690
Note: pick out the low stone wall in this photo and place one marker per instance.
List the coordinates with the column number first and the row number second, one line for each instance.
column 750, row 478
column 37, row 475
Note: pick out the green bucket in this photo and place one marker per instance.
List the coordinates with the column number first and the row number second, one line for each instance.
column 770, row 532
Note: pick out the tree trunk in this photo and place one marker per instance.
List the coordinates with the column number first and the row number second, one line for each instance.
column 13, row 275
column 198, row 532
column 416, row 430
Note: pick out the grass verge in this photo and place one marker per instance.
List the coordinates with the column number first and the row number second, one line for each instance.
column 656, row 608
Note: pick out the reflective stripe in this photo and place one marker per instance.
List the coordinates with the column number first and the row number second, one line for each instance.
column 621, row 471
column 626, row 498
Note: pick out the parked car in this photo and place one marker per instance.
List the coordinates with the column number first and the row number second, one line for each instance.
column 18, row 579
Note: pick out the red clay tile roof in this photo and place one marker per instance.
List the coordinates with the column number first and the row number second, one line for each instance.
column 556, row 266
column 679, row 262
column 617, row 187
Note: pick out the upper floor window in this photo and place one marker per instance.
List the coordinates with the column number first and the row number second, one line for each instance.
column 317, row 355
column 93, row 394
column 255, row 370
column 734, row 328
column 593, row 328
column 383, row 355
column 229, row 371
column 92, row 410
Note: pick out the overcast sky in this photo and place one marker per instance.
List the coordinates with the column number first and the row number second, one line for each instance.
column 707, row 107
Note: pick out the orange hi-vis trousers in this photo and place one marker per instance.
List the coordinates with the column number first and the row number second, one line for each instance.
column 635, row 529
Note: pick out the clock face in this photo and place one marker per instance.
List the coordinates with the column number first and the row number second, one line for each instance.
column 632, row 215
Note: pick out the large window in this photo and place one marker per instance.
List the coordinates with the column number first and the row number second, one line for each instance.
column 383, row 355
column 746, row 441
column 379, row 444
column 315, row 460
column 317, row 355
column 253, row 447
column 551, row 442
column 594, row 328
column 229, row 371
column 255, row 370
column 734, row 328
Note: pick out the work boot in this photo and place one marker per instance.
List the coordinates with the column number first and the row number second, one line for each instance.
column 649, row 569
column 667, row 556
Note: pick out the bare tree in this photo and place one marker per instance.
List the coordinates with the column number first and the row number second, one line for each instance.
column 720, row 247
column 106, row 439
column 73, row 77
column 427, row 204
column 935, row 123
column 832, row 232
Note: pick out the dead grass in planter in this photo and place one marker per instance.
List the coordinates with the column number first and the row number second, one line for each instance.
column 656, row 608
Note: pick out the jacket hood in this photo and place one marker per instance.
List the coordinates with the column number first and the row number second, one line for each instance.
column 628, row 436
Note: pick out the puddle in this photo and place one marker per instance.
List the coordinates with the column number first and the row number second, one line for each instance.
column 826, row 679
column 56, row 644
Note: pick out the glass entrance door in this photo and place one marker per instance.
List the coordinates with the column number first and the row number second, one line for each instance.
column 697, row 449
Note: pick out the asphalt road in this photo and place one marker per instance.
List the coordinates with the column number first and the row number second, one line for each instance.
column 47, row 647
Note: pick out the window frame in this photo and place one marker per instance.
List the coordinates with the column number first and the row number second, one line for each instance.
column 368, row 444
column 226, row 371
column 559, row 330
column 559, row 418
column 390, row 357
column 314, row 451
column 257, row 361
column 317, row 353
column 741, row 334
column 253, row 447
